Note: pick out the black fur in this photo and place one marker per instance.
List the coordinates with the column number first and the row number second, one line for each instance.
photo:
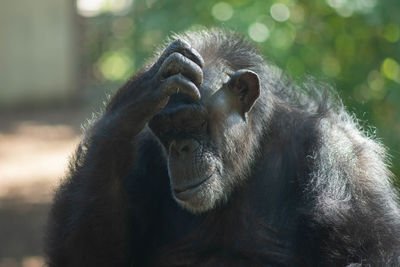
column 316, row 190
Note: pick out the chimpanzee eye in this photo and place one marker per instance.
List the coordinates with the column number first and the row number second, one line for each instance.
column 198, row 127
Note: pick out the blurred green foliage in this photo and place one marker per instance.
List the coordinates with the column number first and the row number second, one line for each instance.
column 354, row 44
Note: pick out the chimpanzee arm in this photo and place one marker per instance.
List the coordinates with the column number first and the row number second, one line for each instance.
column 352, row 197
column 88, row 221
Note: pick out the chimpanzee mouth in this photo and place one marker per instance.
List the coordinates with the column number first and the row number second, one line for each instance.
column 187, row 191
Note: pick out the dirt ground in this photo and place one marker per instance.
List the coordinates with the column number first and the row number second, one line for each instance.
column 34, row 151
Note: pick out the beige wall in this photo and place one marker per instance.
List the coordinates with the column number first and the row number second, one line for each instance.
column 37, row 51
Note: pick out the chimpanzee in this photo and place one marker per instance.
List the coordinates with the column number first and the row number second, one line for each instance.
column 209, row 156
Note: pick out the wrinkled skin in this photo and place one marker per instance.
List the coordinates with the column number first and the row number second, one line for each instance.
column 191, row 133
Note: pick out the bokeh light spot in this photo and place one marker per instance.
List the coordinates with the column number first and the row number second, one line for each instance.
column 115, row 66
column 375, row 80
column 222, row 11
column 258, row 32
column 362, row 93
column 118, row 7
column 283, row 37
column 346, row 8
column 390, row 69
column 344, row 11
column 336, row 3
column 377, row 84
column 392, row 33
column 90, row 8
column 149, row 38
column 280, row 12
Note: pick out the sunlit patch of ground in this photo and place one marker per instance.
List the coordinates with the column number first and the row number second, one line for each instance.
column 35, row 261
column 33, row 157
column 34, row 151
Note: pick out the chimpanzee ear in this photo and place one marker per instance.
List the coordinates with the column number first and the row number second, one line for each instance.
column 245, row 84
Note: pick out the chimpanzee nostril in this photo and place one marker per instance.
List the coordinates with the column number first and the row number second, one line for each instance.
column 183, row 148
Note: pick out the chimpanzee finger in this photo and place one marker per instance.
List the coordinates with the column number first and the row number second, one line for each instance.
column 183, row 47
column 177, row 63
column 194, row 56
column 180, row 84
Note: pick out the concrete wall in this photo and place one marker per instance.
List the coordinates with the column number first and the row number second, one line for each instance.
column 37, row 51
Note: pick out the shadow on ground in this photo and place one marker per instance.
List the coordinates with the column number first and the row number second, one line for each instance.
column 21, row 232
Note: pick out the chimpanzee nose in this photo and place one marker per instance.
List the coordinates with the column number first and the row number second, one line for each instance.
column 183, row 148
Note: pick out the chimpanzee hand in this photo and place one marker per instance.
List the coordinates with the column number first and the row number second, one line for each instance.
column 178, row 69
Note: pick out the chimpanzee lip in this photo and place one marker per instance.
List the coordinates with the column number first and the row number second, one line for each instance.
column 185, row 192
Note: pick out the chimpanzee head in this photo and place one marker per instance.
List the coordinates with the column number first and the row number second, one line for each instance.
column 210, row 144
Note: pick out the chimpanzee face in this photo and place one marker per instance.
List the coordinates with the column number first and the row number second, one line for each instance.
column 208, row 142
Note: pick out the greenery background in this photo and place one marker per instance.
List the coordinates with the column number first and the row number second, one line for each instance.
column 352, row 44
